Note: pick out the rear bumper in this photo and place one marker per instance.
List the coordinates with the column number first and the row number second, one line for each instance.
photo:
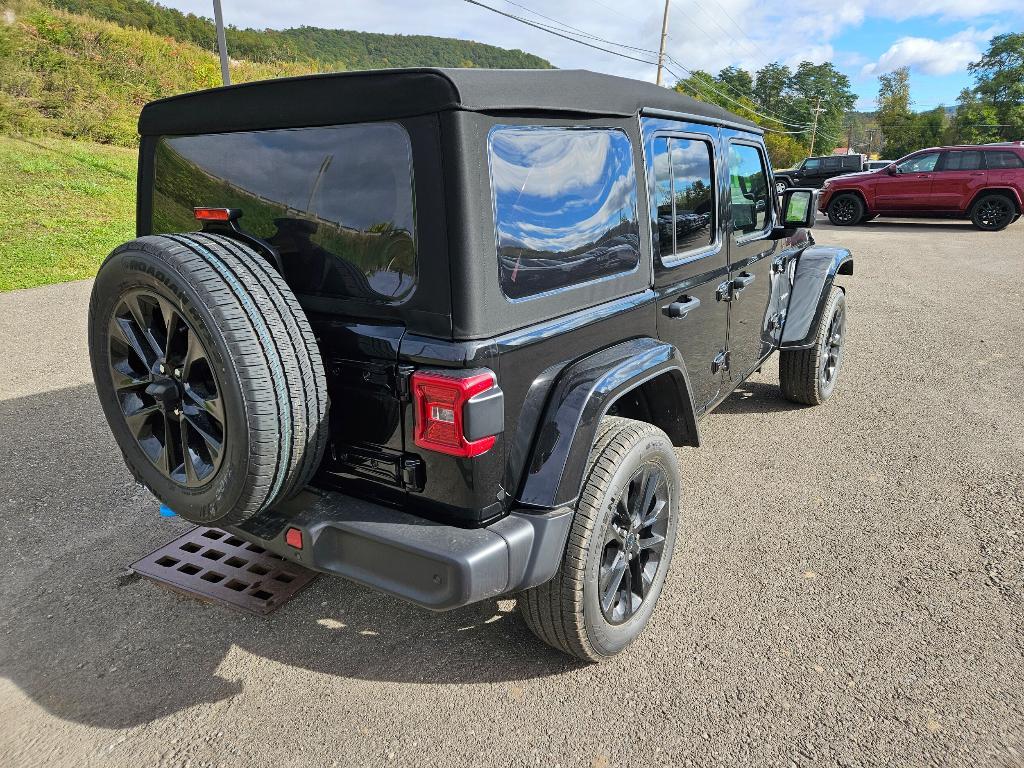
column 436, row 566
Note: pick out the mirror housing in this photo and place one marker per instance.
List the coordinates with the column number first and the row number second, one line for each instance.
column 892, row 170
column 799, row 208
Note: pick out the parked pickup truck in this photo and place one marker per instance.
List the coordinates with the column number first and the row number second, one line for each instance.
column 442, row 332
column 813, row 171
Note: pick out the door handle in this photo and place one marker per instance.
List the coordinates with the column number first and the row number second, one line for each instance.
column 742, row 280
column 683, row 307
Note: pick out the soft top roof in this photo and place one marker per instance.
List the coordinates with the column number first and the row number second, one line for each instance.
column 347, row 97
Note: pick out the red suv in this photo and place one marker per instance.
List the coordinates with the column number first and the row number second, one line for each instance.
column 982, row 183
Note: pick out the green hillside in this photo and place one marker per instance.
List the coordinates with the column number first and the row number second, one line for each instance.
column 86, row 77
column 329, row 48
column 64, row 205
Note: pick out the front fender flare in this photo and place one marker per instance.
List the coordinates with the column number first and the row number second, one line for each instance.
column 582, row 395
column 816, row 269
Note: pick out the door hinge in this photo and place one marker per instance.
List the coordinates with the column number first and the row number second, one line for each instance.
column 775, row 321
column 721, row 361
column 403, row 374
column 724, row 291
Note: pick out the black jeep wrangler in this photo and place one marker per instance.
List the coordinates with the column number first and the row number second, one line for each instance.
column 441, row 332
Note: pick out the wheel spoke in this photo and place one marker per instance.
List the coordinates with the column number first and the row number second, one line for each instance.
column 646, row 580
column 137, row 419
column 653, row 542
column 143, row 321
column 611, row 581
column 203, row 430
column 659, row 508
column 627, row 593
column 132, row 336
column 212, row 406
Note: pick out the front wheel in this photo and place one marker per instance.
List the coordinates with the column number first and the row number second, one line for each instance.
column 619, row 547
column 780, row 186
column 845, row 210
column 809, row 375
column 992, row 213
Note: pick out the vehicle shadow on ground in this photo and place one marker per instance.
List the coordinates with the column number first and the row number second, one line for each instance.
column 93, row 643
column 882, row 225
column 756, row 397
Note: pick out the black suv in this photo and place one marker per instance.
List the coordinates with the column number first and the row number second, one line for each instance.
column 813, row 171
column 442, row 331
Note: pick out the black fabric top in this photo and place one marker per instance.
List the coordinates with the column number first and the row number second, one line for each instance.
column 348, row 97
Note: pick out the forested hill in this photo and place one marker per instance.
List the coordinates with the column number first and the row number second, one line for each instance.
column 330, row 48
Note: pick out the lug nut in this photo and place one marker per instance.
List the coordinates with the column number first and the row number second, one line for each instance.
column 177, row 373
column 162, row 369
column 177, row 411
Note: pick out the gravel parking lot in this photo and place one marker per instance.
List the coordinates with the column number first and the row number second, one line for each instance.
column 847, row 590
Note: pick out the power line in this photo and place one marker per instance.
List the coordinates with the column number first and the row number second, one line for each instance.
column 563, row 34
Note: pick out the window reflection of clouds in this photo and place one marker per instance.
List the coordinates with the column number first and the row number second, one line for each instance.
column 565, row 202
column 683, row 212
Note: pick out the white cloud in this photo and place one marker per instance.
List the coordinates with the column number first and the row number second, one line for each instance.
column 702, row 35
column 931, row 57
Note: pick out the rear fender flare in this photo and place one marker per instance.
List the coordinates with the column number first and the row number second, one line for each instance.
column 816, row 269
column 579, row 399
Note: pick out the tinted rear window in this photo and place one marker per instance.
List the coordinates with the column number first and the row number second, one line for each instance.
column 565, row 208
column 969, row 160
column 336, row 202
column 998, row 160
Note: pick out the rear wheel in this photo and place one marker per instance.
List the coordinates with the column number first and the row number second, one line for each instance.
column 208, row 374
column 993, row 212
column 781, row 186
column 845, row 210
column 809, row 375
column 619, row 547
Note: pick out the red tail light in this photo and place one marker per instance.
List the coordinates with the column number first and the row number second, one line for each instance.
column 214, row 214
column 440, row 400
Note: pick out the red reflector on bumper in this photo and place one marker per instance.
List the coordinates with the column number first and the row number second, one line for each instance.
column 293, row 538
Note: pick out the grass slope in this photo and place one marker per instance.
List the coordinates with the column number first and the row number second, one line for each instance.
column 64, row 205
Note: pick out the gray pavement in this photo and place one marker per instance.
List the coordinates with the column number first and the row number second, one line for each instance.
column 846, row 591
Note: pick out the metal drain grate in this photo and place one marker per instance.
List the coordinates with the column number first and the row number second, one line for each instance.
column 210, row 563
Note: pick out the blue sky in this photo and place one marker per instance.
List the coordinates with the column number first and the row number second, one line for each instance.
column 935, row 38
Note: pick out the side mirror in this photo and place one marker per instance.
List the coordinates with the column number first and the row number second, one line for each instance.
column 798, row 211
column 892, row 170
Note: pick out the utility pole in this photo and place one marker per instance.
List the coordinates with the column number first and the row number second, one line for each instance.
column 664, row 34
column 222, row 43
column 849, row 139
column 814, row 130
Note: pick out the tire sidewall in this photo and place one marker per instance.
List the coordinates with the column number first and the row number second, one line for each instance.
column 609, row 639
column 136, row 268
column 836, row 301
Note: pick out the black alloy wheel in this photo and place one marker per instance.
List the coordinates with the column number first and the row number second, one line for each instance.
column 845, row 210
column 992, row 213
column 166, row 387
column 832, row 348
column 634, row 543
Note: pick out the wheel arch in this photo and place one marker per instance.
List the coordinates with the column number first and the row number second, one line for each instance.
column 1004, row 191
column 816, row 270
column 856, row 192
column 628, row 378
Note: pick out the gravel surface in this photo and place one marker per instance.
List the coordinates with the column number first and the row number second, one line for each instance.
column 846, row 590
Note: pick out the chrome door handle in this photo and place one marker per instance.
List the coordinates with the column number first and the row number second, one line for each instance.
column 683, row 307
column 742, row 280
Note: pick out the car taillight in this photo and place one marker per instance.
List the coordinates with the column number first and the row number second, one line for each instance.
column 216, row 214
column 453, row 409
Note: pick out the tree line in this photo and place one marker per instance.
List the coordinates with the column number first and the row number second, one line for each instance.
column 783, row 101
column 992, row 110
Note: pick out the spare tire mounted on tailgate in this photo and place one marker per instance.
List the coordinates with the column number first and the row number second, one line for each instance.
column 208, row 373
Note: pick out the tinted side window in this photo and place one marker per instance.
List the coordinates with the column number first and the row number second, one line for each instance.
column 812, row 163
column 565, row 208
column 919, row 163
column 851, row 161
column 962, row 161
column 833, row 163
column 336, row 202
column 748, row 188
column 997, row 160
column 683, row 208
